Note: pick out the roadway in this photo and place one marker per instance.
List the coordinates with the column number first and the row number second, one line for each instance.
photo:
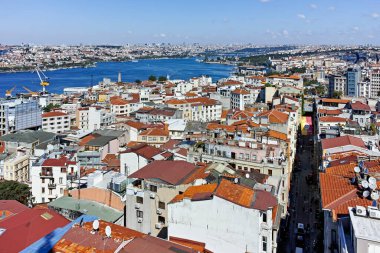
column 304, row 200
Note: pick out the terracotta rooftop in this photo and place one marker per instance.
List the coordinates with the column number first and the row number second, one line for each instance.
column 275, row 116
column 285, row 77
column 359, row 106
column 332, row 119
column 240, row 92
column 53, row 114
column 60, row 162
column 154, row 132
column 342, row 141
column 335, row 100
column 171, row 172
column 195, row 192
column 144, row 150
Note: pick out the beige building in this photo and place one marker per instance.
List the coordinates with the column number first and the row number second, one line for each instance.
column 55, row 122
column 16, row 166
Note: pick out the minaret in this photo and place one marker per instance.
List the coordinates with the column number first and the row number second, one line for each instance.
column 119, row 77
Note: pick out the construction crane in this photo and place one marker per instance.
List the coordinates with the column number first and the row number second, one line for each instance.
column 43, row 78
column 33, row 93
column 8, row 93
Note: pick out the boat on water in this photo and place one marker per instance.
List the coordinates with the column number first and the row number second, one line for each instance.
column 135, row 60
column 198, row 60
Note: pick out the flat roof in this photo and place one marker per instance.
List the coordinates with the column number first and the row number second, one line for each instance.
column 87, row 207
column 365, row 227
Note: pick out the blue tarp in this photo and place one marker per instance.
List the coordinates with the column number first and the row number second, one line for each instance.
column 46, row 244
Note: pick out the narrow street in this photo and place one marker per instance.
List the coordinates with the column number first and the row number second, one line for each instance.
column 304, row 201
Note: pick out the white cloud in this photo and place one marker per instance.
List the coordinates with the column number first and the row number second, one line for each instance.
column 331, row 8
column 285, row 33
column 162, row 35
column 313, row 6
column 375, row 15
column 301, row 16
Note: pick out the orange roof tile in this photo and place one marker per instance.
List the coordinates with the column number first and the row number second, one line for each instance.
column 53, row 114
column 235, row 193
column 275, row 116
column 154, row 132
column 193, row 191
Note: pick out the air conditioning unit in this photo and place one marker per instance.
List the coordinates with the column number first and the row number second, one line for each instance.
column 137, row 206
column 158, row 225
column 159, row 212
column 152, row 195
column 361, row 211
column 139, row 220
column 373, row 212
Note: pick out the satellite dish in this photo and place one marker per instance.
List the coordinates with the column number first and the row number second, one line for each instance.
column 372, row 180
column 236, row 180
column 95, row 225
column 357, row 169
column 375, row 195
column 108, row 231
column 366, row 194
column 365, row 183
column 247, row 175
column 372, row 186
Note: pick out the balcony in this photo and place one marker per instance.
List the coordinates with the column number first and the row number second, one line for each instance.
column 46, row 174
column 52, row 186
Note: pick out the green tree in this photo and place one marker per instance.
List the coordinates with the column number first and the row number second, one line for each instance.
column 152, row 78
column 337, row 94
column 13, row 190
column 162, row 78
column 320, row 90
column 50, row 107
column 138, row 81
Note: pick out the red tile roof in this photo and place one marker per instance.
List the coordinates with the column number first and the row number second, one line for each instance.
column 61, row 162
column 343, row 141
column 335, row 100
column 193, row 192
column 154, row 132
column 170, row 144
column 275, row 116
column 53, row 114
column 144, row 150
column 172, row 172
column 197, row 246
column 359, row 106
column 240, row 92
column 332, row 119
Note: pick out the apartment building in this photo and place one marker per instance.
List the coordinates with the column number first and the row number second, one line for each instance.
column 93, row 118
column 337, row 83
column 239, row 98
column 375, row 83
column 56, row 122
column 220, row 217
column 50, row 178
column 154, row 186
column 124, row 107
column 16, row 166
column 19, row 114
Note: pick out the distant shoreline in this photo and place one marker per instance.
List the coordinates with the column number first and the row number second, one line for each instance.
column 90, row 64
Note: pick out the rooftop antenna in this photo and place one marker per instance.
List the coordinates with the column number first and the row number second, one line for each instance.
column 95, row 226
column 375, row 195
column 364, row 183
column 108, row 231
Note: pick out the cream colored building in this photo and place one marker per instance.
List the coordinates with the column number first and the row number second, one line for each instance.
column 16, row 166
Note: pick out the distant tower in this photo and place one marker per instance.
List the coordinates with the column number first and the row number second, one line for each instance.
column 119, row 77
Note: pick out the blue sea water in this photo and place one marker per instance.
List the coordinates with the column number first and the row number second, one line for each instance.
column 184, row 68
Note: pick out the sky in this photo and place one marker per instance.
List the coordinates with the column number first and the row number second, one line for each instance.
column 120, row 22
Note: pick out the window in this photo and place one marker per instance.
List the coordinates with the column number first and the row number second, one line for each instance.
column 153, row 188
column 139, row 214
column 43, row 190
column 50, row 191
column 161, row 219
column 61, row 190
column 264, row 239
column 139, row 200
column 161, row 205
column 270, row 172
column 264, row 217
column 43, row 180
column 43, row 200
column 60, row 180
